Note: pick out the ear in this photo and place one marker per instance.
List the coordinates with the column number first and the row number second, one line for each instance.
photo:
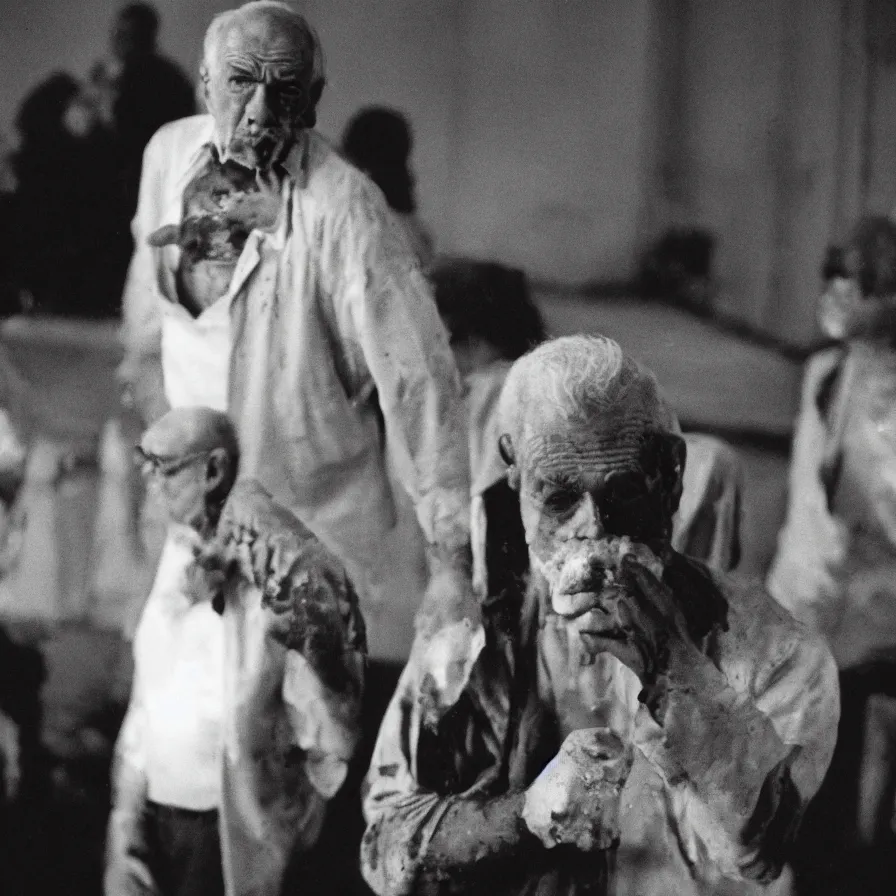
column 508, row 455
column 204, row 78
column 164, row 236
column 217, row 472
column 672, row 458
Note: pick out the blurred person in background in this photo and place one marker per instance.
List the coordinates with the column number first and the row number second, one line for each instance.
column 835, row 566
column 141, row 90
column 492, row 320
column 249, row 667
column 70, row 239
column 379, row 141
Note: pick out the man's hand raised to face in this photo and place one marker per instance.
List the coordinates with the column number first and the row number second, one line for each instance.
column 642, row 625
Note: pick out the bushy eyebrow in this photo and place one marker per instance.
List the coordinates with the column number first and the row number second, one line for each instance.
column 556, row 480
column 242, row 67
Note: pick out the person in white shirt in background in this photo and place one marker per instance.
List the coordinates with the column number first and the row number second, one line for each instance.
column 292, row 299
column 249, row 656
column 835, row 566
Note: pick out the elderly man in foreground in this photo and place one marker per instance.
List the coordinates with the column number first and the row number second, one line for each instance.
column 634, row 720
column 249, row 659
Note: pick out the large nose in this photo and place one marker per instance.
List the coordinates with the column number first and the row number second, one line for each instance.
column 586, row 522
column 258, row 111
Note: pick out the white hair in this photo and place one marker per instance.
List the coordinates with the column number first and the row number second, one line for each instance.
column 222, row 22
column 580, row 381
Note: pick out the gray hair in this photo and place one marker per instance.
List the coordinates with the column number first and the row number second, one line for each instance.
column 582, row 381
column 222, row 22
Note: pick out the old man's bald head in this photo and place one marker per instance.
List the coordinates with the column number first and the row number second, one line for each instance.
column 190, row 457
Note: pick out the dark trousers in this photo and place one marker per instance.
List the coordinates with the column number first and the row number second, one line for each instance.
column 825, row 861
column 184, row 851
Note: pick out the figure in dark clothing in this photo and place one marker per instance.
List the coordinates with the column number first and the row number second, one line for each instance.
column 488, row 311
column 145, row 90
column 71, row 238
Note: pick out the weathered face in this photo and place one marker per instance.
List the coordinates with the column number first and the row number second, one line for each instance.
column 587, row 503
column 256, row 91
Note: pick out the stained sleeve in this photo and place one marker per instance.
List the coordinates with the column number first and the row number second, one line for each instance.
column 740, row 765
column 323, row 682
column 378, row 281
column 401, row 816
column 326, row 723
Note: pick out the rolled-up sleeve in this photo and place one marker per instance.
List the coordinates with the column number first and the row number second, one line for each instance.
column 401, row 816
column 379, row 283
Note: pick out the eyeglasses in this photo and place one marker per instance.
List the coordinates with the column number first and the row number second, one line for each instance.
column 157, row 465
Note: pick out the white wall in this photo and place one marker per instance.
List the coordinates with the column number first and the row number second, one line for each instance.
column 530, row 116
column 768, row 156
column 551, row 138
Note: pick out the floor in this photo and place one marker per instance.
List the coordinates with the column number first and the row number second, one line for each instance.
column 713, row 379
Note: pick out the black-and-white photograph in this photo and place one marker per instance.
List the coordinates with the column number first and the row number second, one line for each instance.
column 448, row 447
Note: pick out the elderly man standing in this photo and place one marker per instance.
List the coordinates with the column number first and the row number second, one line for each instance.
column 270, row 279
column 245, row 706
column 635, row 723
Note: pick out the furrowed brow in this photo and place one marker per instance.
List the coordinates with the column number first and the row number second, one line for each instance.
column 556, row 479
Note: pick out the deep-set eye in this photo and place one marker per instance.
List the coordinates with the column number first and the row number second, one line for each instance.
column 560, row 500
column 290, row 93
column 626, row 507
column 239, row 82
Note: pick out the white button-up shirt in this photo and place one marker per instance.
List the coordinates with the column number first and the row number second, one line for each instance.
column 325, row 313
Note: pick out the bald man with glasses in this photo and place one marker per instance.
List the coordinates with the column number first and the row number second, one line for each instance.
column 249, row 659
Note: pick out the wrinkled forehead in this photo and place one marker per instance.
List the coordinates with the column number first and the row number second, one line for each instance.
column 595, row 446
column 564, row 462
column 264, row 37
